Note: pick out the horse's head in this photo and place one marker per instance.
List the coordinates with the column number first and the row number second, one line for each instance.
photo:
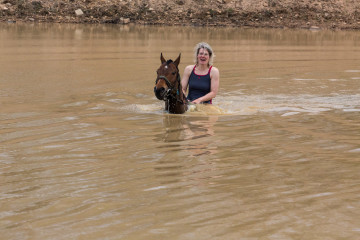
column 168, row 78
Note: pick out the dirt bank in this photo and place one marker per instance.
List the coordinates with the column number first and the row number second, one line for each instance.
column 332, row 14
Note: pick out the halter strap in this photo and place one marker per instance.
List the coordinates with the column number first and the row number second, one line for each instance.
column 171, row 92
column 168, row 83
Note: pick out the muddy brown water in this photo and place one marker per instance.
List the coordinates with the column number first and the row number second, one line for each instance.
column 87, row 152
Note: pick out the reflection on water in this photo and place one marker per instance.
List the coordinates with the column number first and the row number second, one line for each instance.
column 194, row 133
column 87, row 151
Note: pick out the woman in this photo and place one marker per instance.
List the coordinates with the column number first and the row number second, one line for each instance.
column 202, row 79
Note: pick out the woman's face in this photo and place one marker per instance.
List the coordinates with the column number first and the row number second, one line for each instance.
column 203, row 56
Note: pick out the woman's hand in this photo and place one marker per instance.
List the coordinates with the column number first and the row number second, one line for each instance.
column 196, row 101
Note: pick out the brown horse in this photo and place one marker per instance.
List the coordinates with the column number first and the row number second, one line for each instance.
column 168, row 86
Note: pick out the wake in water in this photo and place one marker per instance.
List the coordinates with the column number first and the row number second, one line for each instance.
column 194, row 109
column 288, row 104
column 285, row 105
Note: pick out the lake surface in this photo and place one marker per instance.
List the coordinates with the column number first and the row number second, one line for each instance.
column 87, row 151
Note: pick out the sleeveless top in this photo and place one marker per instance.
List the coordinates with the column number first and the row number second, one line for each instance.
column 199, row 85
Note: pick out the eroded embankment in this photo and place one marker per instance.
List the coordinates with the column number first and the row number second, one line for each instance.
column 334, row 14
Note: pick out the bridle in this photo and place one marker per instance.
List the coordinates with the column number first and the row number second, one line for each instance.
column 172, row 92
column 168, row 83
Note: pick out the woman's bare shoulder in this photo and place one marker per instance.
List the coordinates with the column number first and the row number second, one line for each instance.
column 215, row 69
column 190, row 67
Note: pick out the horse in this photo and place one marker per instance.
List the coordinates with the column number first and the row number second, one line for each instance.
column 168, row 86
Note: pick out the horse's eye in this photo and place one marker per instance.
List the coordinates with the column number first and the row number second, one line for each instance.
column 173, row 73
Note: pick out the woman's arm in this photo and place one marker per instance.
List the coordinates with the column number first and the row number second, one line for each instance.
column 185, row 78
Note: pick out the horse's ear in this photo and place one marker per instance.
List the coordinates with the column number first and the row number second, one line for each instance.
column 162, row 59
column 177, row 61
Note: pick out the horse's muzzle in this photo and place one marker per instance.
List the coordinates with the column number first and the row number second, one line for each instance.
column 160, row 93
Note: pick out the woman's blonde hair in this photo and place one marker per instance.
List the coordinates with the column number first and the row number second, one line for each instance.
column 206, row 46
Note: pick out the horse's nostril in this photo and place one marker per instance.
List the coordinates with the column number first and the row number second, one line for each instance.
column 159, row 93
